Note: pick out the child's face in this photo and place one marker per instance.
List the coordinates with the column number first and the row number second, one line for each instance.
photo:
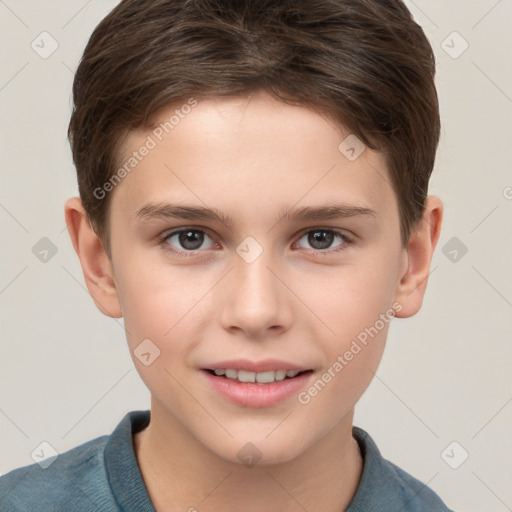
column 252, row 161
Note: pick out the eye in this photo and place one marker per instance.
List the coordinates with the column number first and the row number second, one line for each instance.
column 185, row 240
column 322, row 239
column 190, row 241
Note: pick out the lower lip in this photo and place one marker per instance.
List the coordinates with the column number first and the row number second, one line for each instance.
column 252, row 394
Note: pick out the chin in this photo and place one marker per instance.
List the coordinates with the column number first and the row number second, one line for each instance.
column 259, row 452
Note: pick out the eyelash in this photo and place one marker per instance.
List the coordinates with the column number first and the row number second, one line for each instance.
column 347, row 241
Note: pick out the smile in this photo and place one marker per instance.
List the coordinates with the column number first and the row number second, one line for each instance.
column 258, row 377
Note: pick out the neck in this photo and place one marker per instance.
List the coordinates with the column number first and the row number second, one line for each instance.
column 182, row 474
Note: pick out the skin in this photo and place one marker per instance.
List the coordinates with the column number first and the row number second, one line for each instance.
column 252, row 158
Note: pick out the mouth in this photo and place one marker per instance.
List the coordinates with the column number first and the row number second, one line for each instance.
column 266, row 377
column 257, row 384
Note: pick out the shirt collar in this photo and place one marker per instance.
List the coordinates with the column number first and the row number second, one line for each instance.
column 121, row 464
column 130, row 491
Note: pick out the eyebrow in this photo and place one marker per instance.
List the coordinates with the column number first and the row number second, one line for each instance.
column 154, row 211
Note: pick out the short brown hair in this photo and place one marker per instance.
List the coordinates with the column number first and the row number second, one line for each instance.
column 366, row 63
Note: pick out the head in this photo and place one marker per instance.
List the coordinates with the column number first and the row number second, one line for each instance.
column 281, row 121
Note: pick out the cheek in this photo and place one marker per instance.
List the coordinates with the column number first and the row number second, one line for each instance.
column 350, row 299
column 355, row 308
column 358, row 311
column 158, row 302
column 163, row 311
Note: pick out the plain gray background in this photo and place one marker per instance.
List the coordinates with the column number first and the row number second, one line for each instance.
column 66, row 373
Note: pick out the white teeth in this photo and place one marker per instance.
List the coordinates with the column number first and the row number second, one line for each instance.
column 280, row 374
column 231, row 374
column 260, row 377
column 244, row 376
column 266, row 376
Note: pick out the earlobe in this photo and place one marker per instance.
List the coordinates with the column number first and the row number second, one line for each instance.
column 413, row 280
column 96, row 266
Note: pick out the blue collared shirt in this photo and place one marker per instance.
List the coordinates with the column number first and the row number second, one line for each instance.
column 103, row 475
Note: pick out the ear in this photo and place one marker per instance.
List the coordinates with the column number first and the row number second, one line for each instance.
column 96, row 265
column 418, row 257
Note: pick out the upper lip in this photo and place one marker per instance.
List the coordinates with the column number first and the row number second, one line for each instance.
column 256, row 366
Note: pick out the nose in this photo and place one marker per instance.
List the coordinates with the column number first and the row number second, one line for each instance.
column 255, row 299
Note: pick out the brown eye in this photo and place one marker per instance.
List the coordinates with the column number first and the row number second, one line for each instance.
column 322, row 240
column 185, row 240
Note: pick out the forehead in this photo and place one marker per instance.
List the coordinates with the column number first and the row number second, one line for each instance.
column 249, row 155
